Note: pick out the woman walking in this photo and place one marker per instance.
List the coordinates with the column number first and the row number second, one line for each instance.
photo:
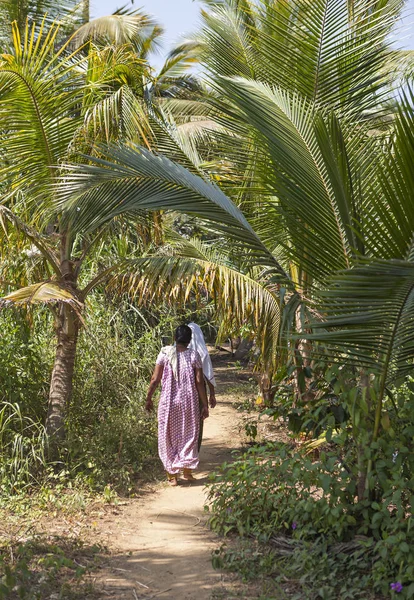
column 183, row 398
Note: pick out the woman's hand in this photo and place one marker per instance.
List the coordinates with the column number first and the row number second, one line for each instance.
column 212, row 400
column 149, row 405
column 212, row 390
column 204, row 411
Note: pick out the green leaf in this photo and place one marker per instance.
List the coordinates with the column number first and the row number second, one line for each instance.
column 326, row 483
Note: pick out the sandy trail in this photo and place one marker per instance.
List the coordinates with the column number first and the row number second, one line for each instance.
column 162, row 546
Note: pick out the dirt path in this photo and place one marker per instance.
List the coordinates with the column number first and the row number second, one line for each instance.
column 162, row 546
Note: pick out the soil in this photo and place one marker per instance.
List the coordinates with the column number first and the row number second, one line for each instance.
column 161, row 545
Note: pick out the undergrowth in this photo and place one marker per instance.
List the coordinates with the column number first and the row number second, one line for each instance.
column 295, row 512
column 42, row 567
column 304, row 528
column 115, row 361
column 312, row 529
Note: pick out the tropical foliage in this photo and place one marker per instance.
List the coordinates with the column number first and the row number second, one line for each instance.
column 314, row 147
column 291, row 157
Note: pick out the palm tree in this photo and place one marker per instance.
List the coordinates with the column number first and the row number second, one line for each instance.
column 55, row 104
column 51, row 99
column 335, row 55
column 239, row 38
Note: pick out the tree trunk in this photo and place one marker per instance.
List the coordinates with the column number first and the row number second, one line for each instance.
column 62, row 376
column 243, row 349
column 234, row 344
column 362, row 474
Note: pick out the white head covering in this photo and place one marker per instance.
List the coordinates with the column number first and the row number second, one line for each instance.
column 198, row 343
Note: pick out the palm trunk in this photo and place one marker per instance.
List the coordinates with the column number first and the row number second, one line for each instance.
column 62, row 376
column 362, row 473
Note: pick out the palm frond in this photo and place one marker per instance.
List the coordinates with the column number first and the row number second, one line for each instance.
column 389, row 207
column 40, row 92
column 116, row 29
column 172, row 142
column 7, row 216
column 150, row 43
column 183, row 109
column 118, row 115
column 46, row 292
column 192, row 269
column 131, row 179
column 309, row 176
column 320, row 49
column 179, row 60
column 369, row 309
column 369, row 312
column 226, row 43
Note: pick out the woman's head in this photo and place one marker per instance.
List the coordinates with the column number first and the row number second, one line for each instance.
column 183, row 335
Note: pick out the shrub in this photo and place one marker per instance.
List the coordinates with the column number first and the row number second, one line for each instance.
column 23, row 450
column 25, row 361
column 110, row 436
column 274, row 491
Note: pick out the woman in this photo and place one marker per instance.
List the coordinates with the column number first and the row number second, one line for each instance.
column 199, row 345
column 180, row 371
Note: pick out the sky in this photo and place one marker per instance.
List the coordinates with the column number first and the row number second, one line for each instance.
column 180, row 17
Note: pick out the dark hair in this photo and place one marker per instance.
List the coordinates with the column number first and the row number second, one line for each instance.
column 183, row 334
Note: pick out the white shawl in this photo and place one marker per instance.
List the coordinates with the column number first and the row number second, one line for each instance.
column 198, row 343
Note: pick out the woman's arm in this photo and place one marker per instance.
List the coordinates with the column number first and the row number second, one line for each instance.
column 155, row 380
column 201, row 389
